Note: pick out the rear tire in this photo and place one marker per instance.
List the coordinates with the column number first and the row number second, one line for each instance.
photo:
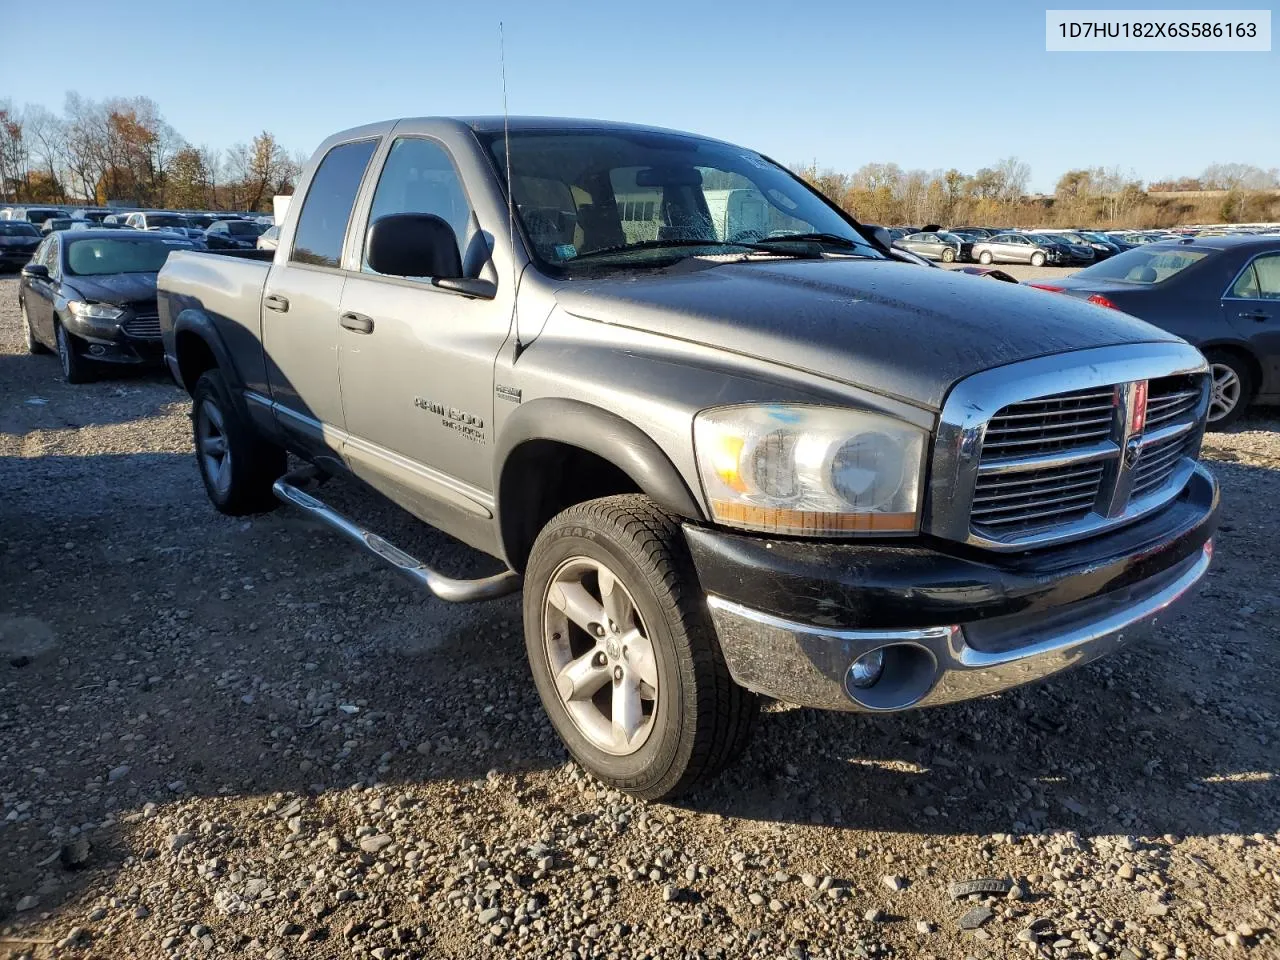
column 1037, row 259
column 75, row 368
column 236, row 464
column 34, row 346
column 1231, row 390
column 693, row 720
column 984, row 258
column 948, row 255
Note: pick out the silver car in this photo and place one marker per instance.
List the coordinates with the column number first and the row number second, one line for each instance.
column 1015, row 248
column 941, row 245
column 270, row 238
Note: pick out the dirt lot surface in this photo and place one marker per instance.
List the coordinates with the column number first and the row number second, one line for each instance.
column 241, row 738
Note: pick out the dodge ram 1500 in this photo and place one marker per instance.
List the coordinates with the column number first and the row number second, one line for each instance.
column 726, row 445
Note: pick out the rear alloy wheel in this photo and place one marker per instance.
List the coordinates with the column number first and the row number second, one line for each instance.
column 1231, row 388
column 75, row 368
column 985, row 257
column 1037, row 259
column 33, row 345
column 237, row 465
column 948, row 255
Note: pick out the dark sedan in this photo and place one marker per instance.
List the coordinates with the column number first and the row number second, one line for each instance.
column 1220, row 293
column 18, row 239
column 233, row 235
column 91, row 296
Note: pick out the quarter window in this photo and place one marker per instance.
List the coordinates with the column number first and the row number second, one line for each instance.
column 419, row 177
column 322, row 224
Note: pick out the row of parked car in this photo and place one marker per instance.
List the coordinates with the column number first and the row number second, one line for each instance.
column 206, row 230
column 1055, row 247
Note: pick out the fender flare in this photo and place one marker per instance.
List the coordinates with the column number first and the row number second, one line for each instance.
column 605, row 434
column 199, row 323
column 192, row 321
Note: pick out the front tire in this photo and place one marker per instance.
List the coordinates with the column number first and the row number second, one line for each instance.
column 1037, row 259
column 75, row 368
column 624, row 654
column 34, row 346
column 984, row 258
column 237, row 465
column 1231, row 389
column 948, row 255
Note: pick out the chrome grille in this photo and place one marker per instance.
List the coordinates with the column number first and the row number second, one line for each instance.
column 143, row 326
column 1012, row 502
column 1156, row 464
column 1062, row 447
column 1051, row 424
column 1171, row 405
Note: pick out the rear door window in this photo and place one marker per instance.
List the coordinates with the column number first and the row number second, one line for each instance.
column 322, row 223
column 1263, row 279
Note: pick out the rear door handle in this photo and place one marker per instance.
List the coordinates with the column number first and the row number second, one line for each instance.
column 277, row 303
column 1259, row 316
column 356, row 322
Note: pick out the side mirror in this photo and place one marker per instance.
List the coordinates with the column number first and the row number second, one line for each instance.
column 883, row 236
column 414, row 245
column 35, row 271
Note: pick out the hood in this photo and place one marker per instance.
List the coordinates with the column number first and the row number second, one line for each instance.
column 890, row 327
column 117, row 288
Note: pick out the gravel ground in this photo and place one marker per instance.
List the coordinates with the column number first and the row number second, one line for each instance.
column 242, row 738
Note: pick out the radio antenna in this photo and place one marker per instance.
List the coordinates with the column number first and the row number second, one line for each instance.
column 511, row 203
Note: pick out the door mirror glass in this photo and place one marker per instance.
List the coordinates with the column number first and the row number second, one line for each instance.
column 413, row 245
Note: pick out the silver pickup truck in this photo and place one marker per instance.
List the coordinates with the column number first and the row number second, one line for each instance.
column 726, row 445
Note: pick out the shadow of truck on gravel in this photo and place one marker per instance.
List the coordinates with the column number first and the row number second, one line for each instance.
column 264, row 655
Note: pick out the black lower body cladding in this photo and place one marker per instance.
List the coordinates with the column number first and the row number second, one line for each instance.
column 806, row 609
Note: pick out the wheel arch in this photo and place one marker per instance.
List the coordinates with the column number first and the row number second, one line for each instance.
column 554, row 453
column 197, row 347
column 1244, row 352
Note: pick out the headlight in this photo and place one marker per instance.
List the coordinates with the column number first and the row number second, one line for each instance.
column 810, row 471
column 94, row 311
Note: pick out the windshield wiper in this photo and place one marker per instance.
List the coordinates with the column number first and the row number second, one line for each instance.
column 746, row 248
column 832, row 238
column 656, row 245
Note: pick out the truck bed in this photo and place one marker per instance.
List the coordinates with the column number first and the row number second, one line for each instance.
column 224, row 289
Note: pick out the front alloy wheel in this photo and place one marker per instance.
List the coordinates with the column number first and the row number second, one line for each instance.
column 75, row 368
column 600, row 656
column 623, row 652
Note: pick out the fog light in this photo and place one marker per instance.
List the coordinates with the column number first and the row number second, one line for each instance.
column 97, row 350
column 866, row 669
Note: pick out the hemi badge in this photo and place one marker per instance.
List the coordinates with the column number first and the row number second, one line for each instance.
column 1138, row 414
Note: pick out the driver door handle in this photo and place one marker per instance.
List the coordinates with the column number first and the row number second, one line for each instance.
column 1257, row 315
column 276, row 302
column 356, row 322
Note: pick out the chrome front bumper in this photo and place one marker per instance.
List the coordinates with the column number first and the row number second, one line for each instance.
column 809, row 665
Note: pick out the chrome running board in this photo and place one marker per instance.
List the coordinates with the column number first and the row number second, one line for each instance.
column 446, row 588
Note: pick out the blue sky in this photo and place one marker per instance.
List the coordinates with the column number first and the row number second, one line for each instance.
column 918, row 83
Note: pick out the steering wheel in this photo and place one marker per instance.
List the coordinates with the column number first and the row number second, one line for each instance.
column 746, row 236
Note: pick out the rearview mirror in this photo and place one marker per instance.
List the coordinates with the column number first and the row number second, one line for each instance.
column 414, row 245
column 668, row 177
column 35, row 271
